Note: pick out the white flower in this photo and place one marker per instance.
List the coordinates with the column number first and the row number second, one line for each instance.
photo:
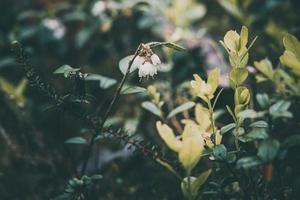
column 55, row 26
column 138, row 61
column 98, row 8
column 147, row 69
column 147, row 65
column 155, row 59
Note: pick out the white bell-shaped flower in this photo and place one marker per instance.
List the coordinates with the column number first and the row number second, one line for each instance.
column 155, row 59
column 147, row 69
column 138, row 61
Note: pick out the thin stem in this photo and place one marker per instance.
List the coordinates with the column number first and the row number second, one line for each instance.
column 108, row 111
column 190, row 196
column 211, row 116
column 237, row 134
column 216, row 99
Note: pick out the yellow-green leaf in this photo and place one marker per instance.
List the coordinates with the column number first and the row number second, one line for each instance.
column 213, row 79
column 289, row 59
column 292, row 44
column 238, row 76
column 231, row 40
column 265, row 67
column 167, row 134
column 244, row 37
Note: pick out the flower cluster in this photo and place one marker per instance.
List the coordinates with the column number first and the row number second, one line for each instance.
column 147, row 62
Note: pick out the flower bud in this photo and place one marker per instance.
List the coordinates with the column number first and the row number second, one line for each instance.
column 241, row 99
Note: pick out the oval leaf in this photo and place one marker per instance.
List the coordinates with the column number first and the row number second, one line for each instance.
column 248, row 162
column 268, row 149
column 65, row 69
column 151, row 107
column 124, row 63
column 259, row 124
column 133, row 89
column 227, row 128
column 105, row 82
column 76, row 140
column 181, row 108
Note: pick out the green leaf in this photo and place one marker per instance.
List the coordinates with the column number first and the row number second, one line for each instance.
column 249, row 113
column 244, row 37
column 167, row 44
column 268, row 149
column 76, row 140
column 232, row 8
column 248, row 162
column 227, row 128
column 289, row 59
column 259, row 124
column 238, row 76
column 230, row 112
column 254, row 134
column 181, row 108
column 167, row 166
column 199, row 181
column 280, row 109
column 196, row 184
column 84, row 35
column 133, row 90
column 292, row 44
column 263, row 100
column 105, row 82
column 97, row 177
column 124, row 63
column 265, row 67
column 65, row 69
column 220, row 152
column 213, row 79
column 151, row 107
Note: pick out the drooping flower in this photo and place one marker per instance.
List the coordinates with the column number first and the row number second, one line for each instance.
column 146, row 62
column 147, row 66
column 189, row 147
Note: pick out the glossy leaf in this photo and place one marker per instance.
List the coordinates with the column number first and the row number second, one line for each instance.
column 76, row 140
column 105, row 82
column 259, row 124
column 167, row 44
column 248, row 162
column 238, row 76
column 124, row 63
column 181, row 108
column 254, row 134
column 220, row 152
column 133, row 90
column 151, row 107
column 227, row 128
column 268, row 149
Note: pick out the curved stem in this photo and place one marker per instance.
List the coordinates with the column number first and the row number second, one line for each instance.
column 108, row 111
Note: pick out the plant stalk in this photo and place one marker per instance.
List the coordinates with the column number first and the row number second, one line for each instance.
column 108, row 111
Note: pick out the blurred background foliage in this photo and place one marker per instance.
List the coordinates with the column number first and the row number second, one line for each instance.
column 94, row 35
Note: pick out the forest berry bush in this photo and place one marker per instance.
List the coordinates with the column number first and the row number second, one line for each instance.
column 213, row 150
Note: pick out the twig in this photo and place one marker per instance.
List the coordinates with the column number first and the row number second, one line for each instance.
column 108, row 111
